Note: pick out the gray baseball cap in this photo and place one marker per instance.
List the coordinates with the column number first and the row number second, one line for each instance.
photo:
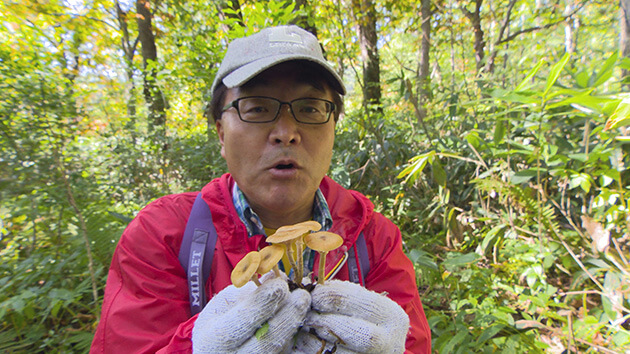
column 249, row 56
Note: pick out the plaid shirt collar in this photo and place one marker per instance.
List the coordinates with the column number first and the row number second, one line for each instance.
column 321, row 212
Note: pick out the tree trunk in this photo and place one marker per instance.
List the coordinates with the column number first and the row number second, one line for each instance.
column 366, row 14
column 475, row 19
column 505, row 26
column 152, row 93
column 129, row 51
column 624, row 37
column 570, row 29
column 424, row 64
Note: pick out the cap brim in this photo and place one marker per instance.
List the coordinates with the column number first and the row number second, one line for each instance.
column 246, row 72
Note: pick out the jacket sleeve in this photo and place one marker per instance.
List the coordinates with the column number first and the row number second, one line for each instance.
column 145, row 307
column 391, row 271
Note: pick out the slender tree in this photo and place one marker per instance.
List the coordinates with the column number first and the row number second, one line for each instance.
column 152, row 92
column 129, row 50
column 424, row 63
column 624, row 33
column 502, row 32
column 366, row 14
column 480, row 43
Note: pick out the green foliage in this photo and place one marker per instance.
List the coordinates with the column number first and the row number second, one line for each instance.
column 511, row 192
column 516, row 280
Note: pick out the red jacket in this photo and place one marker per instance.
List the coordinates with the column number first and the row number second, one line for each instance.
column 146, row 308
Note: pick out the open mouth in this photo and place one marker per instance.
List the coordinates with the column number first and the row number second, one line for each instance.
column 285, row 166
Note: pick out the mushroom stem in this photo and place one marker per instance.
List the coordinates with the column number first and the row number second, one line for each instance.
column 323, row 242
column 299, row 272
column 255, row 280
column 290, row 256
column 276, row 270
column 322, row 268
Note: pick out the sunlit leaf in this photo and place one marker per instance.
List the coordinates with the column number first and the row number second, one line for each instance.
column 554, row 73
column 461, row 260
column 621, row 116
column 527, row 80
column 606, row 70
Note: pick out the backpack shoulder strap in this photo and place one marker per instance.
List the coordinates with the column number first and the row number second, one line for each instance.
column 197, row 251
column 358, row 261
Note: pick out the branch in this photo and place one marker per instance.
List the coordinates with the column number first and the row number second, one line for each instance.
column 538, row 28
column 506, row 21
column 504, row 26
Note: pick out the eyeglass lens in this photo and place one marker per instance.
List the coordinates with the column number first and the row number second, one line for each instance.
column 265, row 109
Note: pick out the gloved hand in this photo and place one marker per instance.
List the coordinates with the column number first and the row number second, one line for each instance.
column 353, row 319
column 230, row 320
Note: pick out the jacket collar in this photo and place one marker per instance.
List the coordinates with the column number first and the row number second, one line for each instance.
column 350, row 212
column 321, row 212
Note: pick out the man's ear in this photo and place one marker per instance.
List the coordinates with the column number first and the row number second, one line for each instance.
column 219, row 125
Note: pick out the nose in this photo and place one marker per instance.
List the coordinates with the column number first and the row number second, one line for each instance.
column 285, row 129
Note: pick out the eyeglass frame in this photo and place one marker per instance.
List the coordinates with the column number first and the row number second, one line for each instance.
column 234, row 104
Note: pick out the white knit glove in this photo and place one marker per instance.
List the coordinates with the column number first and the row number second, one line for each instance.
column 229, row 322
column 350, row 318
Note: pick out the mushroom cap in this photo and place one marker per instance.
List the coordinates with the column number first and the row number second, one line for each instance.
column 323, row 241
column 310, row 225
column 290, row 232
column 245, row 269
column 270, row 256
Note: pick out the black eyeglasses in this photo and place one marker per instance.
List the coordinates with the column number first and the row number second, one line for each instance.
column 259, row 109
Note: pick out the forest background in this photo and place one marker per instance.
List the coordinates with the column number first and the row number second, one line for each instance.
column 493, row 132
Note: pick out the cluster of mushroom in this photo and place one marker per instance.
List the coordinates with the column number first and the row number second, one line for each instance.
column 291, row 240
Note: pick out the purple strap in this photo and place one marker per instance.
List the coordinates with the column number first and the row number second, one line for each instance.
column 197, row 251
column 358, row 249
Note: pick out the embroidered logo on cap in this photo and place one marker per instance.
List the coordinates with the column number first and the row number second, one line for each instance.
column 282, row 35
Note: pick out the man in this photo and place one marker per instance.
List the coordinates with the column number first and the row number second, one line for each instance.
column 275, row 104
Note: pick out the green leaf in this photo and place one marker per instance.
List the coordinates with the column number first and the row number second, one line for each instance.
column 454, row 342
column 489, row 237
column 527, row 79
column 554, row 73
column 606, row 71
column 422, row 258
column 499, row 132
column 581, row 78
column 262, row 330
column 488, row 333
column 462, row 260
column 621, row 116
column 582, row 157
column 523, row 176
column 439, row 175
column 416, row 167
column 524, row 97
column 580, row 180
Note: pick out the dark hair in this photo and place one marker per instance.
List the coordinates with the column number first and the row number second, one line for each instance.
column 214, row 109
column 310, row 72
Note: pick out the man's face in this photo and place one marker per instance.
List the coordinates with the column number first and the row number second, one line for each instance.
column 278, row 165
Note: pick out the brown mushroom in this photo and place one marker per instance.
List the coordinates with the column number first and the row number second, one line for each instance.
column 310, row 225
column 291, row 235
column 269, row 258
column 245, row 270
column 323, row 242
column 288, row 238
